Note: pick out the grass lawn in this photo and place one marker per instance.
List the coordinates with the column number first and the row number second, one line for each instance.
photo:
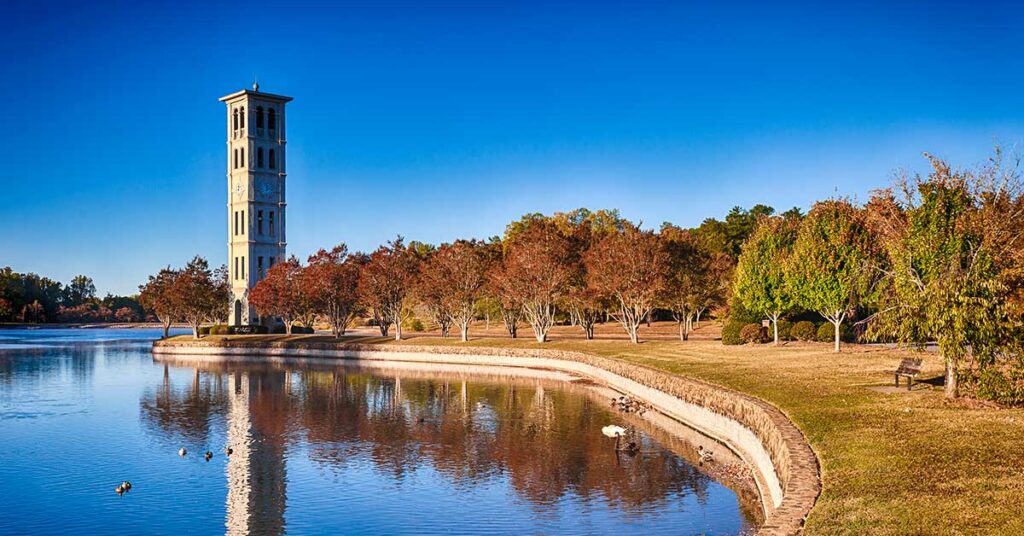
column 892, row 462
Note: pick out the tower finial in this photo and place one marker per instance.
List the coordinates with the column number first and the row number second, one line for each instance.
column 255, row 84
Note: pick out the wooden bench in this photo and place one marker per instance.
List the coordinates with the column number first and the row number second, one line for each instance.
column 909, row 368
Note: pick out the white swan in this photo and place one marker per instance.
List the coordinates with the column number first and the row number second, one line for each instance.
column 613, row 431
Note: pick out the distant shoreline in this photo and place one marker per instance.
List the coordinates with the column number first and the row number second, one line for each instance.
column 90, row 325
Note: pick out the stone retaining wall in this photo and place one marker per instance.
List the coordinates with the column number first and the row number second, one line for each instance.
column 787, row 469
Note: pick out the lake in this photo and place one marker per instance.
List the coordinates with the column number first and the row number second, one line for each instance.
column 325, row 450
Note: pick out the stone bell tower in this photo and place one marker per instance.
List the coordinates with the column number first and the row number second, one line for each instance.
column 256, row 192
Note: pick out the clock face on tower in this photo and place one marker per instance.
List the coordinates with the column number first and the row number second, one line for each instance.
column 238, row 189
column 266, row 188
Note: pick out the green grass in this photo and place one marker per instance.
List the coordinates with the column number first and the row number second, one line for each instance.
column 892, row 463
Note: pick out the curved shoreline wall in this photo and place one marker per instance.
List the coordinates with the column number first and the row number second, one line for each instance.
column 785, row 467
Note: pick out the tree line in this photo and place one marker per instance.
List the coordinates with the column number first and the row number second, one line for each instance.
column 31, row 298
column 936, row 258
column 589, row 266
column 933, row 259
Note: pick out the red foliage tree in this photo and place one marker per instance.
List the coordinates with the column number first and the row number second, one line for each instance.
column 629, row 268
column 280, row 293
column 126, row 314
column 385, row 283
column 694, row 277
column 535, row 273
column 202, row 295
column 158, row 296
column 453, row 279
column 330, row 282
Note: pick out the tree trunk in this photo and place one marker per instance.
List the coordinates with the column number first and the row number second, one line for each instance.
column 775, row 327
column 682, row 332
column 167, row 328
column 465, row 331
column 696, row 324
column 288, row 328
column 836, row 324
column 952, row 389
column 195, row 331
column 398, row 329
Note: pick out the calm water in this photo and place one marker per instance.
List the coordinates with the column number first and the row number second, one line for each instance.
column 320, row 451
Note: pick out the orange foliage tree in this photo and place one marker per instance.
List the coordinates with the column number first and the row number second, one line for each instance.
column 535, row 273
column 629, row 268
column 330, row 282
column 280, row 293
column 385, row 283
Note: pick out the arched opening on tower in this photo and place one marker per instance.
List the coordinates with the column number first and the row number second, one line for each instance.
column 238, row 312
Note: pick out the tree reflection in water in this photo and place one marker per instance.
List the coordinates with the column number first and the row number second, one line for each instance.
column 543, row 436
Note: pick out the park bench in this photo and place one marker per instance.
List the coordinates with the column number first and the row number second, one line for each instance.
column 909, row 368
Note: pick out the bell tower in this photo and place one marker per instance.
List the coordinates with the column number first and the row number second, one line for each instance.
column 256, row 192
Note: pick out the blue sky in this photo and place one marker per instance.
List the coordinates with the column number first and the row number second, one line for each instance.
column 445, row 121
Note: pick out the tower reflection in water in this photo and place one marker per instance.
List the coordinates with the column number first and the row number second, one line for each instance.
column 256, row 469
column 372, row 446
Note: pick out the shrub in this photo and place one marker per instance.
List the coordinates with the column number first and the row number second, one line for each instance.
column 753, row 333
column 302, row 330
column 278, row 329
column 204, row 330
column 804, row 330
column 994, row 385
column 785, row 330
column 219, row 329
column 826, row 332
column 416, row 324
column 731, row 331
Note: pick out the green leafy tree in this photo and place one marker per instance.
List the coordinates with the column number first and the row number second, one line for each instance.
column 80, row 290
column 950, row 240
column 829, row 268
column 760, row 282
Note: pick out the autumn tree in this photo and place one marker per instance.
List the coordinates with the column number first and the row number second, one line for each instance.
column 692, row 281
column 33, row 312
column 829, row 268
column 629, row 268
column 952, row 243
column 385, row 283
column 534, row 273
column 582, row 227
column 453, row 279
column 126, row 314
column 331, row 281
column 430, row 290
column 159, row 296
column 201, row 293
column 280, row 293
column 511, row 311
column 760, row 280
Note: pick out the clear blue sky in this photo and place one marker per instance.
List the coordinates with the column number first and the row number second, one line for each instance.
column 449, row 121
